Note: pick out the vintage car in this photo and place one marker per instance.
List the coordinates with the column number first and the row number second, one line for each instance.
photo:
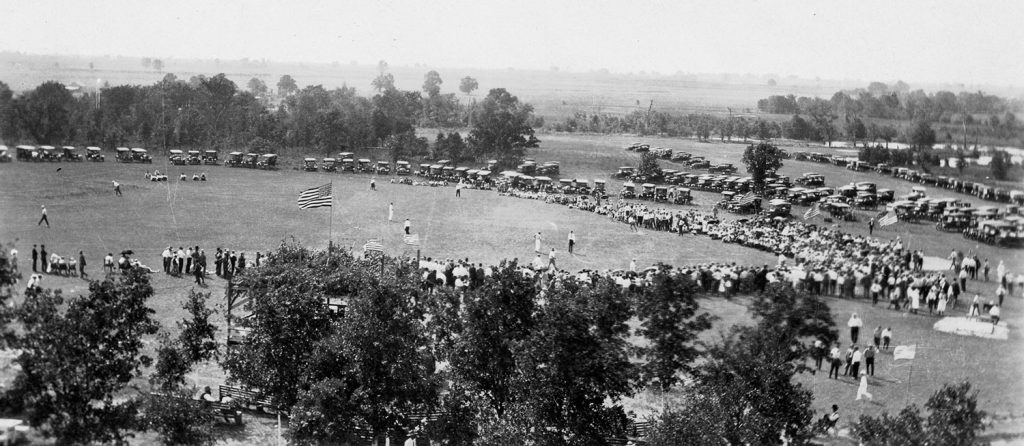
column 194, row 157
column 177, row 157
column 402, row 167
column 71, row 154
column 779, row 208
column 210, row 157
column 383, row 168
column 267, row 161
column 4, row 156
column 542, row 183
column 48, row 153
column 625, row 172
column 234, row 159
column 94, row 154
column 628, row 190
column 364, row 165
column 680, row 195
column 309, row 164
column 647, row 191
column 811, row 179
column 348, row 164
column 549, row 168
column 27, row 153
column 250, row 160
column 661, row 193
column 329, row 165
column 139, row 155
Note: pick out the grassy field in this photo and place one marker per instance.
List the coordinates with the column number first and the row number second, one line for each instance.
column 252, row 211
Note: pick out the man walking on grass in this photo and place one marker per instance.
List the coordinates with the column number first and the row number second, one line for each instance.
column 572, row 241
column 43, row 218
column 81, row 265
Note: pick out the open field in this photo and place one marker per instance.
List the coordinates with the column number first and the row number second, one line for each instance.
column 250, row 211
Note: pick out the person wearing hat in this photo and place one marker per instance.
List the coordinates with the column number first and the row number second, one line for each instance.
column 43, row 218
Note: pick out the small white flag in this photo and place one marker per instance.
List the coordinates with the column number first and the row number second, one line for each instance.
column 904, row 352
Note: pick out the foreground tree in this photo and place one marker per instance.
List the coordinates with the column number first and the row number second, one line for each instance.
column 196, row 343
column 669, row 320
column 177, row 418
column 501, row 128
column 74, row 362
column 953, row 419
column 762, row 160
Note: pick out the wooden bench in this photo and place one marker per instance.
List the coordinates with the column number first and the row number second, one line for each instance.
column 251, row 401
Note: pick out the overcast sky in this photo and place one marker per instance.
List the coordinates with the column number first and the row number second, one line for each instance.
column 918, row 41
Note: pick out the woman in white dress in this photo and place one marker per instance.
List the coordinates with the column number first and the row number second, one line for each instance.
column 915, row 299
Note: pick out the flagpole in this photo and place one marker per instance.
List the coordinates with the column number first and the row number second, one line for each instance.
column 330, row 225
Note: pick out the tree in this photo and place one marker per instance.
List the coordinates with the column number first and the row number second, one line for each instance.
column 762, row 160
column 404, row 145
column 856, row 131
column 384, row 82
column 158, row 65
column 741, row 395
column 823, row 117
column 432, row 83
column 75, row 361
column 286, row 86
column 921, row 136
column 376, row 368
column 288, row 314
column 667, row 310
column 1000, row 164
column 45, row 113
column 468, row 84
column 953, row 419
column 887, row 133
column 502, row 128
column 147, row 62
column 257, row 87
column 177, row 418
column 648, row 165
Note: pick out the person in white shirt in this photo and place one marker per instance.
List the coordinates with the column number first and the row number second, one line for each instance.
column 572, row 241
column 167, row 259
column 854, row 323
column 632, row 265
column 862, row 390
column 551, row 259
column 994, row 314
column 108, row 262
column 408, row 226
column 14, row 260
column 391, row 212
column 536, row 242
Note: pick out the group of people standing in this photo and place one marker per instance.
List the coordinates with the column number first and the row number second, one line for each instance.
column 193, row 261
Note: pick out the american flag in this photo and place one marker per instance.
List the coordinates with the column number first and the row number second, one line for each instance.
column 373, row 245
column 814, row 211
column 411, row 239
column 889, row 219
column 747, row 199
column 316, row 197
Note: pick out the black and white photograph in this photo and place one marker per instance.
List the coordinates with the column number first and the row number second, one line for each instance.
column 537, row 223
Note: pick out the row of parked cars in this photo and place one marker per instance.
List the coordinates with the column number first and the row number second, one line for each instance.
column 52, row 154
column 980, row 190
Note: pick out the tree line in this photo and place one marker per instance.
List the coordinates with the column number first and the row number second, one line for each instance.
column 952, row 115
column 214, row 113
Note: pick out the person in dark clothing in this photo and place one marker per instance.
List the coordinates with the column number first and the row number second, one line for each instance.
column 43, row 257
column 232, row 263
column 449, row 276
column 35, row 258
column 258, row 258
column 241, row 262
column 81, row 265
column 198, row 272
column 218, row 261
column 871, row 226
column 202, row 267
